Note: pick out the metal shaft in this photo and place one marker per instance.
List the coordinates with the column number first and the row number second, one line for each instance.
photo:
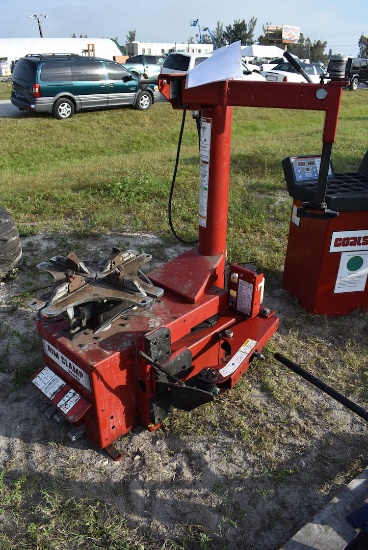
column 323, row 173
column 212, row 237
column 322, row 386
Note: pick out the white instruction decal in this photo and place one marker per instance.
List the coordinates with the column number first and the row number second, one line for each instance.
column 353, row 271
column 204, row 168
column 205, row 139
column 48, row 382
column 239, row 358
column 68, row 401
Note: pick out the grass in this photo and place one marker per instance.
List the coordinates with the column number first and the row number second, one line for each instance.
column 43, row 516
column 5, row 89
column 111, row 171
column 33, row 516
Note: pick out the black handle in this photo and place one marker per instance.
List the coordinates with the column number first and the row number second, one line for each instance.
column 297, row 66
column 357, row 409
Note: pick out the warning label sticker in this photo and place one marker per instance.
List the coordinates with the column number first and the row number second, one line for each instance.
column 204, row 168
column 239, row 358
column 353, row 272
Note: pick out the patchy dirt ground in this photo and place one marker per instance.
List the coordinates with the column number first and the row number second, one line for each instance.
column 248, row 471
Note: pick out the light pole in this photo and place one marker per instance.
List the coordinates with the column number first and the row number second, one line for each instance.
column 37, row 19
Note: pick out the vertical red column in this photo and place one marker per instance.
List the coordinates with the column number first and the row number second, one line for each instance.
column 214, row 180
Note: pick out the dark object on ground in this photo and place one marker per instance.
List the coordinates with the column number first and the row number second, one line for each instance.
column 10, row 246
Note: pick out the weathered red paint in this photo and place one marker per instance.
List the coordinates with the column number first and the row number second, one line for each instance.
column 122, row 383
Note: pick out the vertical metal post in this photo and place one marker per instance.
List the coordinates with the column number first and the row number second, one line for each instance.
column 212, row 234
column 323, row 174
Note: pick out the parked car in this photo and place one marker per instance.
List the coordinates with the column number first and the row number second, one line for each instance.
column 271, row 64
column 145, row 64
column 285, row 72
column 356, row 71
column 62, row 84
column 182, row 62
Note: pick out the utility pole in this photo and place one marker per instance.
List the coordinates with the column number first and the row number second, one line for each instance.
column 37, row 19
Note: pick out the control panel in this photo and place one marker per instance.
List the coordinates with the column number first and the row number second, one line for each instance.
column 301, row 175
column 307, row 168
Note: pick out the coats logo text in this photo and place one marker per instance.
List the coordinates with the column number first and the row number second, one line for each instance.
column 343, row 241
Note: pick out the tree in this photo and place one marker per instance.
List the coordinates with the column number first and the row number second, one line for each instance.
column 317, row 51
column 206, row 39
column 130, row 37
column 240, row 30
column 306, row 49
column 302, row 48
column 218, row 35
column 262, row 40
column 363, row 46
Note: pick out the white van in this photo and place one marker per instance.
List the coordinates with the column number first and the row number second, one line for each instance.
column 182, row 62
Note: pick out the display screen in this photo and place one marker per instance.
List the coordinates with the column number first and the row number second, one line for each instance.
column 307, row 168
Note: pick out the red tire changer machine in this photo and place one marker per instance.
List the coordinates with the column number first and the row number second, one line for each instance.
column 122, row 346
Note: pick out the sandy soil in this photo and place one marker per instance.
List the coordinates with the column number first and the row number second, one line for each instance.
column 250, row 488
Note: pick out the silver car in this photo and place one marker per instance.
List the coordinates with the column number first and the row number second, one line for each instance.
column 285, row 72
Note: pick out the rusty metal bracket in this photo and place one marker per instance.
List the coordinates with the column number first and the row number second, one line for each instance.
column 81, row 293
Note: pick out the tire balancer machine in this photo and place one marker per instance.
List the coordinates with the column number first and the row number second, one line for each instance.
column 122, row 347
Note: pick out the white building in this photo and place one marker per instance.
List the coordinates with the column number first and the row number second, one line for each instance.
column 14, row 48
column 161, row 48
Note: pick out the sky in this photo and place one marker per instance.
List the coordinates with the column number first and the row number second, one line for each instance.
column 338, row 22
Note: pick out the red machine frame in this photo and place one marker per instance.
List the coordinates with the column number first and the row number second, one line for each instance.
column 199, row 337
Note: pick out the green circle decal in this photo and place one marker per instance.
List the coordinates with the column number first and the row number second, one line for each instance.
column 355, row 263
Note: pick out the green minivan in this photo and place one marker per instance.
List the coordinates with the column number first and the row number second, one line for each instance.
column 62, row 84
